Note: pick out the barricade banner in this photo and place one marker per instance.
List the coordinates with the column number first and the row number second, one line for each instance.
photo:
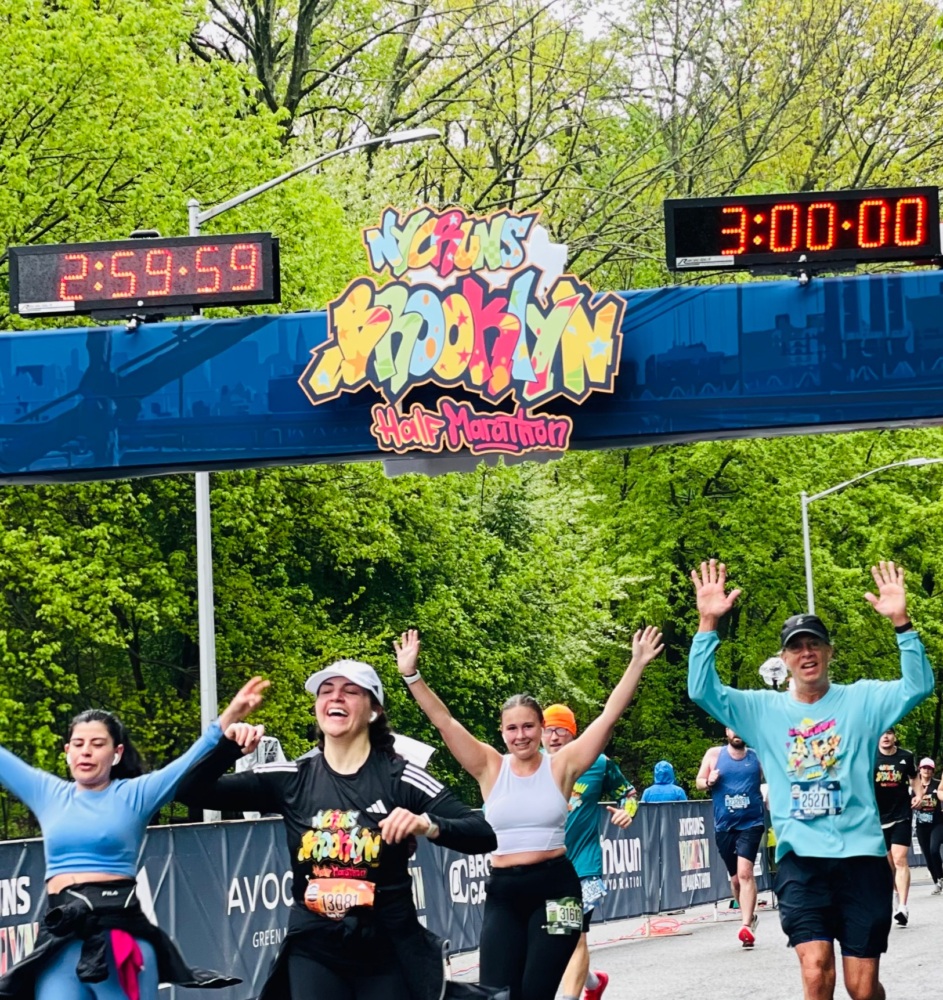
column 631, row 859
column 692, row 871
column 223, row 891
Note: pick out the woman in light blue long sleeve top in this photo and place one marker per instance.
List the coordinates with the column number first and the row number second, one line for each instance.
column 93, row 828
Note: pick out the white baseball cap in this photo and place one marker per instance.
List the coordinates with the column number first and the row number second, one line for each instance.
column 351, row 670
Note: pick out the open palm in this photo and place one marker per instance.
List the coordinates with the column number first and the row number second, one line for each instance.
column 710, row 585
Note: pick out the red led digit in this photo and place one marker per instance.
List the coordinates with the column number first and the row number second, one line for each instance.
column 866, row 213
column 250, row 267
column 826, row 228
column 739, row 230
column 920, row 222
column 65, row 293
column 164, row 270
column 775, row 226
column 217, row 279
column 132, row 286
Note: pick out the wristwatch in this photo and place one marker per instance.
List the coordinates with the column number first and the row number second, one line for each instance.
column 433, row 830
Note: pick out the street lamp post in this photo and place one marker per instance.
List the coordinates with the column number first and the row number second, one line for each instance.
column 204, row 549
column 806, row 500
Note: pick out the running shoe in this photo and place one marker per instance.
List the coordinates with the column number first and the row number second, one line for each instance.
column 937, row 888
column 597, row 992
column 747, row 934
column 902, row 915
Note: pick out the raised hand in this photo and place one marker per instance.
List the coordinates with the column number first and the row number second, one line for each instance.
column 247, row 736
column 891, row 600
column 247, row 700
column 710, row 586
column 407, row 652
column 646, row 645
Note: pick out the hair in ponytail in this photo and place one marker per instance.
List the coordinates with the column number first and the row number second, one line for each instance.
column 130, row 765
column 524, row 701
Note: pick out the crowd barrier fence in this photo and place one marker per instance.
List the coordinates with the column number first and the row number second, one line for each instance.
column 222, row 890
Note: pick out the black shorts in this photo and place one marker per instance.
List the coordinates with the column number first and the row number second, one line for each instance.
column 898, row 834
column 733, row 844
column 843, row 899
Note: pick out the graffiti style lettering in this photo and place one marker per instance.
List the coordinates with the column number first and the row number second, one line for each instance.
column 477, row 303
column 447, row 242
column 493, row 343
column 457, row 425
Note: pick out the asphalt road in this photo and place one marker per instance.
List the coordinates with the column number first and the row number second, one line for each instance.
column 700, row 958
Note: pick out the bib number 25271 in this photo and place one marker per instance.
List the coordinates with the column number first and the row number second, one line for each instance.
column 811, row 799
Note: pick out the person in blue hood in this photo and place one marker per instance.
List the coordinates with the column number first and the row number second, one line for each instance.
column 664, row 789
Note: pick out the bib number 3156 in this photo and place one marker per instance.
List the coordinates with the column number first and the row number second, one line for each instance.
column 564, row 916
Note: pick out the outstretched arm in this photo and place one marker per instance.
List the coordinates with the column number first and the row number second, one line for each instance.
column 726, row 704
column 892, row 700
column 570, row 762
column 153, row 790
column 478, row 759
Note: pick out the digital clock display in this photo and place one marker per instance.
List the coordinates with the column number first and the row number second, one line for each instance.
column 124, row 276
column 889, row 224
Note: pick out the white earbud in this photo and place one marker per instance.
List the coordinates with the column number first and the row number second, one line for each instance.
column 374, row 716
column 117, row 757
column 68, row 759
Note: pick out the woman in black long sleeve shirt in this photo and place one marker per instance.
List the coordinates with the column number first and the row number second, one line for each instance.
column 350, row 815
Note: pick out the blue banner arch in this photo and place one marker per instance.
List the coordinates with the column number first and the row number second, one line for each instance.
column 697, row 362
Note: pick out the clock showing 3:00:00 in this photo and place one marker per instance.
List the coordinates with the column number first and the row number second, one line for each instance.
column 888, row 224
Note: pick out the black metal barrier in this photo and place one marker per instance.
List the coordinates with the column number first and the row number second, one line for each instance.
column 223, row 890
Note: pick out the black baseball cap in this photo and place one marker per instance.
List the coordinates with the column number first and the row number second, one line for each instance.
column 811, row 624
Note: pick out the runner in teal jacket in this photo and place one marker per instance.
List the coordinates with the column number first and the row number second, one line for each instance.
column 817, row 744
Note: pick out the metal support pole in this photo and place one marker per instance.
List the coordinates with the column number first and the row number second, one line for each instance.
column 807, row 551
column 209, row 699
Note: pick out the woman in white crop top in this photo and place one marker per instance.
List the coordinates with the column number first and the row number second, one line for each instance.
column 533, row 913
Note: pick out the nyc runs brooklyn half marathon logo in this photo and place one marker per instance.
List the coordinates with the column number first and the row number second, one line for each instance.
column 479, row 303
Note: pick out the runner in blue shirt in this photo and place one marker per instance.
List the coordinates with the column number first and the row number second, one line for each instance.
column 817, row 744
column 602, row 780
column 732, row 776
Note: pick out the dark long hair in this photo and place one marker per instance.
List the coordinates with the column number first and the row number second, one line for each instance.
column 130, row 765
column 381, row 736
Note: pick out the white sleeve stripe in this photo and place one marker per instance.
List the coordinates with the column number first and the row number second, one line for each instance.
column 422, row 775
column 280, row 766
column 422, row 780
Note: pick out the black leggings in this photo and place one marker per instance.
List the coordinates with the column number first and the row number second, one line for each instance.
column 310, row 979
column 930, row 838
column 516, row 951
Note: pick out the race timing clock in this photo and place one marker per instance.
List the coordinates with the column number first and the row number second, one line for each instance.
column 167, row 275
column 839, row 227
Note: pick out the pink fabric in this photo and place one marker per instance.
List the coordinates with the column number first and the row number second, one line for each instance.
column 129, row 960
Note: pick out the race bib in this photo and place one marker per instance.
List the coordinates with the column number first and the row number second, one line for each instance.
column 811, row 799
column 564, row 916
column 333, row 897
column 593, row 890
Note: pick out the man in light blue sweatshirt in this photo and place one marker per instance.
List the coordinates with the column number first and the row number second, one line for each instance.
column 817, row 744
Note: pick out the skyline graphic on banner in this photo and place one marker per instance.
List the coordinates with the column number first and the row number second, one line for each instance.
column 697, row 362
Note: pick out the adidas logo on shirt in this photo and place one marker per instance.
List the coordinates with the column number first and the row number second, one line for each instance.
column 378, row 808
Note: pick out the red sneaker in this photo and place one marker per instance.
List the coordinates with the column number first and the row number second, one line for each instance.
column 746, row 935
column 595, row 994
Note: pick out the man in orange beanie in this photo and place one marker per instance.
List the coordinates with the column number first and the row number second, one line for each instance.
column 603, row 780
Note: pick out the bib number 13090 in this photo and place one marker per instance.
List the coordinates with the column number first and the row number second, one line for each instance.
column 564, row 916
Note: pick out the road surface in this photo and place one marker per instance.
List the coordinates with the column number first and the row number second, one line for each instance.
column 700, row 958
